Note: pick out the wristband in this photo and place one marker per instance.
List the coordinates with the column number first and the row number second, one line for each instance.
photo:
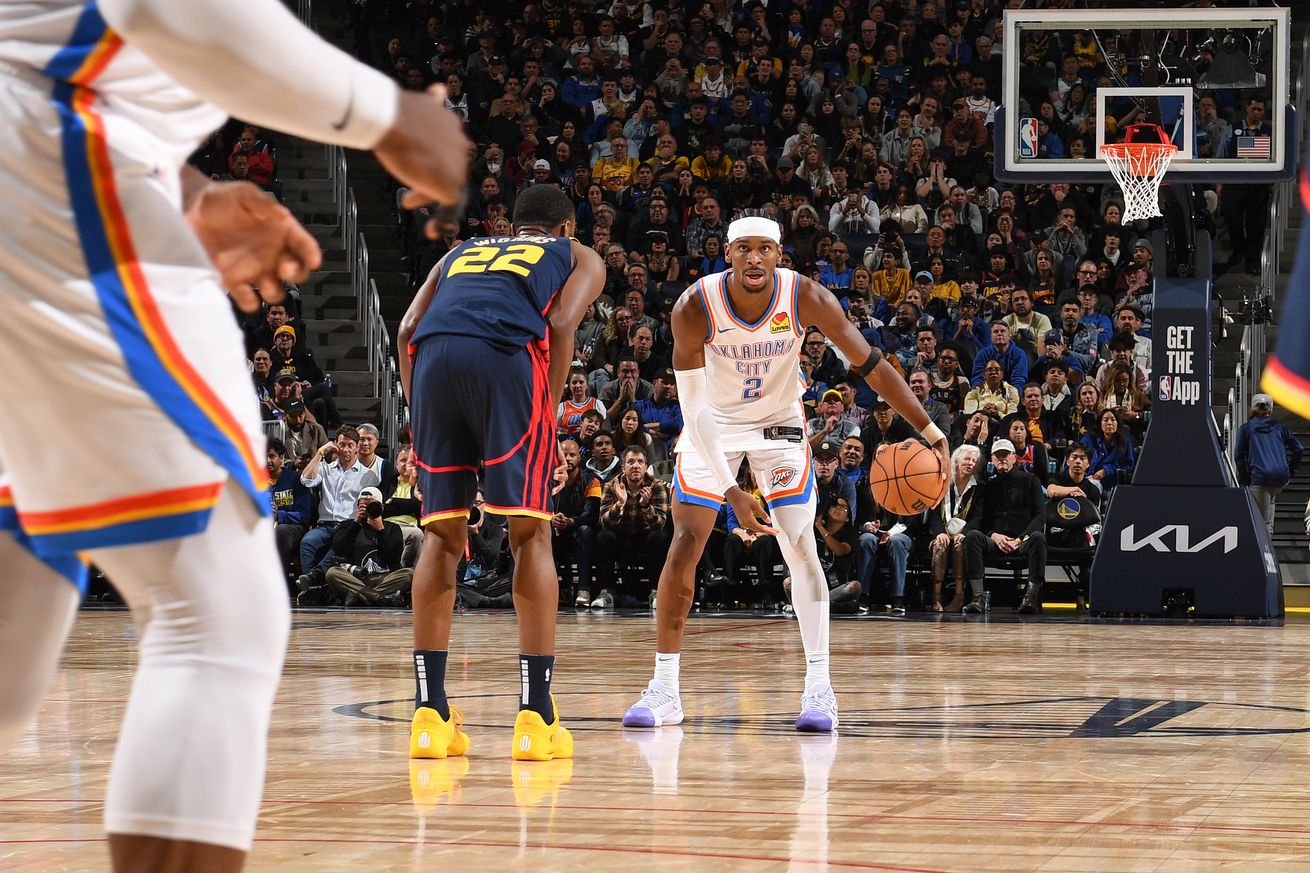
column 932, row 433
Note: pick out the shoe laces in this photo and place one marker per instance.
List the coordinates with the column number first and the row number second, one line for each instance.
column 456, row 717
column 820, row 699
column 656, row 697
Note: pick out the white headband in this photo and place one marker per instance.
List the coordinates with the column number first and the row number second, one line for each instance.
column 755, row 226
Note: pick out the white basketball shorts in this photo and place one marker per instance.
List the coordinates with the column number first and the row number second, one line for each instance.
column 126, row 401
column 783, row 471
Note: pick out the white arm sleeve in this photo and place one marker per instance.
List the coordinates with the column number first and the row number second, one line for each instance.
column 254, row 60
column 699, row 426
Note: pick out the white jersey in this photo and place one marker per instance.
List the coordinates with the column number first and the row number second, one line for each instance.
column 752, row 370
column 69, row 42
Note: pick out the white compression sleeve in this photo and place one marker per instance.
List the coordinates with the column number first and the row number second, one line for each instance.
column 809, row 585
column 254, row 60
column 212, row 617
column 38, row 611
column 699, row 426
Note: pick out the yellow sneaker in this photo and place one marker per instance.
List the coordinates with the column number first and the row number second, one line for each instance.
column 433, row 737
column 534, row 740
column 537, row 781
column 430, row 781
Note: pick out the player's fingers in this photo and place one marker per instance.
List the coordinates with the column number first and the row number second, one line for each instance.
column 416, row 198
column 302, row 245
column 760, row 524
column 438, row 93
column 245, row 296
column 270, row 289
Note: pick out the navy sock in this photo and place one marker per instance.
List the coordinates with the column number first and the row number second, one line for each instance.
column 534, row 678
column 430, row 681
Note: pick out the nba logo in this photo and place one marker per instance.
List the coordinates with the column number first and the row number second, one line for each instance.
column 1164, row 387
column 1027, row 137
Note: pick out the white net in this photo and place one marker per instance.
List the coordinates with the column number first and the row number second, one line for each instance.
column 1139, row 168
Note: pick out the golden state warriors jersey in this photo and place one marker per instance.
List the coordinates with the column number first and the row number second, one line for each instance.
column 752, row 369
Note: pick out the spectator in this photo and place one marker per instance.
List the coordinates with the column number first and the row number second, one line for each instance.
column 1042, row 426
column 633, row 513
column 335, row 466
column 1266, row 455
column 1073, row 482
column 486, row 539
column 1079, row 339
column 661, row 415
column 369, row 550
column 627, row 389
column 975, row 429
column 828, row 368
column 886, row 428
column 576, row 494
column 946, row 528
column 1029, row 454
column 1118, row 392
column 831, row 424
column 291, row 355
column 1111, row 449
column 576, row 403
column 994, row 396
column 707, row 222
column 1086, row 412
column 368, row 456
column 1023, row 321
column 949, row 387
column 1056, row 397
column 1006, row 519
column 301, row 434
column 837, row 539
column 630, row 430
column 889, row 534
column 261, row 337
column 291, row 502
column 921, row 387
column 892, row 280
column 1128, row 320
column 604, row 462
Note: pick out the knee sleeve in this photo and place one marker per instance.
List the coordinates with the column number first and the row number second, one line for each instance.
column 809, row 586
column 39, row 606
column 213, row 619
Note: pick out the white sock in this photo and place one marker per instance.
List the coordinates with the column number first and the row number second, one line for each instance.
column 816, row 670
column 666, row 669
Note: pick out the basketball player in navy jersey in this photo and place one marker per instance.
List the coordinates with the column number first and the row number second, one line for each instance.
column 490, row 341
column 737, row 338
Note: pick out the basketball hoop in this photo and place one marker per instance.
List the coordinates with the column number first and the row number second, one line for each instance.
column 1139, row 164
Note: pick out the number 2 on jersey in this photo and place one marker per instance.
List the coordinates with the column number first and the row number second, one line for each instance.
column 752, row 389
column 509, row 259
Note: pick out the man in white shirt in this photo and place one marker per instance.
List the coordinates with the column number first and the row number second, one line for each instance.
column 342, row 479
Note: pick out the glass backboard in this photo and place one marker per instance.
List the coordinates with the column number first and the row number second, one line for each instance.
column 1216, row 81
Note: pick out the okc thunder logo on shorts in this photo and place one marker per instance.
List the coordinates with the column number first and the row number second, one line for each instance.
column 782, row 477
column 781, row 323
column 1164, row 387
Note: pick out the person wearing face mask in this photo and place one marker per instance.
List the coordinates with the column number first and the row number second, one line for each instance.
column 1006, row 520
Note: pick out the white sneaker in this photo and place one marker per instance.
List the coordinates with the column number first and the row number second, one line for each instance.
column 604, row 600
column 818, row 709
column 659, row 705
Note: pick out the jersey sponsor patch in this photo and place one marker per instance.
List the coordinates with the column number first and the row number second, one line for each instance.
column 781, row 477
column 781, row 323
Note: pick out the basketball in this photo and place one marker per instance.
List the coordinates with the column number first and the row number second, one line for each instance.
column 906, row 478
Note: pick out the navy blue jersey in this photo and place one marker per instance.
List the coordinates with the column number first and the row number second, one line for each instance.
column 498, row 289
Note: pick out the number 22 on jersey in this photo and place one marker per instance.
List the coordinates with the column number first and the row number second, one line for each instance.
column 514, row 258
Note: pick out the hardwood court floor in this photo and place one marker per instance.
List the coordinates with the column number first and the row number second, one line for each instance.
column 964, row 746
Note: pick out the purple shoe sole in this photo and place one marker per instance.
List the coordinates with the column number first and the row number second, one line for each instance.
column 814, row 722
column 639, row 716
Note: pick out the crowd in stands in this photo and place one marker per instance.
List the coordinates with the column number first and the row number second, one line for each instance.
column 1020, row 315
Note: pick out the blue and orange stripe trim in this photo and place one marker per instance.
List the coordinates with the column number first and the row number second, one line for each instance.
column 685, row 494
column 70, row 567
column 132, row 313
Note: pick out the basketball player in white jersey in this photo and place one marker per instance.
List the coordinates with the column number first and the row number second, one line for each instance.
column 129, row 434
column 737, row 337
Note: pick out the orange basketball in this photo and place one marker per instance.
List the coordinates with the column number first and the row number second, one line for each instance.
column 906, row 478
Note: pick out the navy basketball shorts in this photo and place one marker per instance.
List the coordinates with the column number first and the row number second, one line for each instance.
column 478, row 404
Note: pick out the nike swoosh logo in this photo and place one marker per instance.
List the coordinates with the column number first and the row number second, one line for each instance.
column 726, row 329
column 350, row 107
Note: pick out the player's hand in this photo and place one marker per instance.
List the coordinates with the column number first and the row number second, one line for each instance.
column 749, row 512
column 252, row 240
column 426, row 148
